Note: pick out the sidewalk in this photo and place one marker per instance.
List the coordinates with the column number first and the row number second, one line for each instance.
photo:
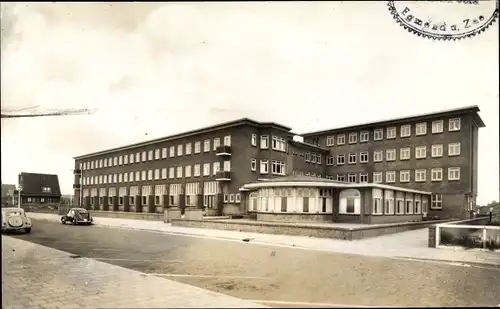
column 35, row 276
column 411, row 244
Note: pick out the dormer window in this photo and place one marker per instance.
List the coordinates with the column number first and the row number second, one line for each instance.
column 46, row 189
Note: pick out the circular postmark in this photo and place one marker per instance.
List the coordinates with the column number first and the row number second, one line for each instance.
column 445, row 20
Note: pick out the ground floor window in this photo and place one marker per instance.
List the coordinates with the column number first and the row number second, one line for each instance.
column 144, row 200
column 120, row 200
column 305, row 204
column 437, row 201
column 132, row 200
column 400, row 206
column 209, row 201
column 157, row 200
column 110, row 200
column 350, row 201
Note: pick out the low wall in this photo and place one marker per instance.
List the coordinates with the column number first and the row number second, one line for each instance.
column 475, row 221
column 293, row 217
column 128, row 215
column 345, row 233
column 51, row 209
column 189, row 214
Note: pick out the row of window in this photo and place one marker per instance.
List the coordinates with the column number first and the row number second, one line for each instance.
column 157, row 174
column 156, row 154
column 390, row 154
column 277, row 143
column 405, row 131
column 277, row 167
column 420, row 175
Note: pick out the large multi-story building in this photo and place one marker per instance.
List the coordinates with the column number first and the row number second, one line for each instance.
column 209, row 167
column 434, row 152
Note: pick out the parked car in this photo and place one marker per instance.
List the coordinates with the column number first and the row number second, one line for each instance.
column 15, row 219
column 77, row 216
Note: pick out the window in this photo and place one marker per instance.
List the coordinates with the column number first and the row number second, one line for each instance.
column 353, row 138
column 278, row 167
column 363, row 177
column 390, row 155
column 206, row 169
column 157, row 154
column 254, row 139
column 404, row 153
column 420, row 175
column 253, row 165
column 131, row 176
column 390, row 177
column 437, row 151
column 421, row 128
column 197, row 147
column 405, row 131
column 157, row 174
column 404, row 176
column 216, row 143
column 454, row 149
column 137, row 158
column 378, row 156
column 206, row 145
column 350, row 201
column 279, row 143
column 340, row 159
column 391, row 133
column 179, row 150
column 352, row 158
column 437, row 126
column 389, row 202
column 340, row 178
column 164, row 173
column 196, row 171
column 378, row 135
column 364, row 136
column 115, row 161
column 330, row 140
column 409, row 203
column 216, row 167
column 436, row 201
column 100, row 163
column 313, row 158
column 171, row 172
column 454, row 173
column 377, row 177
column 377, row 202
column 137, row 176
column 436, row 174
column 237, row 198
column 454, row 124
column 420, row 152
column 227, row 140
column 125, row 177
column 330, row 160
column 171, row 151
column 307, row 157
column 264, row 142
column 179, row 171
column 143, row 156
column 264, row 166
column 164, row 153
column 150, row 155
column 187, row 170
column 400, row 201
column 120, row 178
column 341, row 139
column 351, row 178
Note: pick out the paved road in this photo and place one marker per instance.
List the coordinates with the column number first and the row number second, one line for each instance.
column 275, row 274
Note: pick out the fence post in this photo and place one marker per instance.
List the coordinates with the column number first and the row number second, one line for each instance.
column 438, row 235
column 484, row 238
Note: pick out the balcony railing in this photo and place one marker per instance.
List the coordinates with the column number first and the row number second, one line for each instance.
column 223, row 151
column 77, row 171
column 223, row 176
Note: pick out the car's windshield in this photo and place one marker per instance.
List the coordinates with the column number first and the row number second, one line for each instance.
column 13, row 213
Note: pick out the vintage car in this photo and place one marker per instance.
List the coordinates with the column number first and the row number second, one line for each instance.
column 77, row 216
column 15, row 219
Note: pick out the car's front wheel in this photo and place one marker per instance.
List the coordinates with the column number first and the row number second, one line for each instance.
column 74, row 221
column 63, row 221
column 27, row 230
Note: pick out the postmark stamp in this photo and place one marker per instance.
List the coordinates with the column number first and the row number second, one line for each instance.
column 445, row 20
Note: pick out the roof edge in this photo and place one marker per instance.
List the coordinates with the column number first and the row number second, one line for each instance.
column 470, row 109
column 219, row 126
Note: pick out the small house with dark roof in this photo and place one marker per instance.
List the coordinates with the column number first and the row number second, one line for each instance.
column 312, row 199
column 39, row 188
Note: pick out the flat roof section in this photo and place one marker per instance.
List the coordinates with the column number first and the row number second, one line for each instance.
column 220, row 126
column 308, row 181
column 455, row 111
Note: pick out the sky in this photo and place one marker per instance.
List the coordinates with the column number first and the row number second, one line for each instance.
column 153, row 69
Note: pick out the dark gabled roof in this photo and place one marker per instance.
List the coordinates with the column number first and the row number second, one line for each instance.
column 220, row 126
column 6, row 188
column 31, row 184
column 442, row 113
column 307, row 146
